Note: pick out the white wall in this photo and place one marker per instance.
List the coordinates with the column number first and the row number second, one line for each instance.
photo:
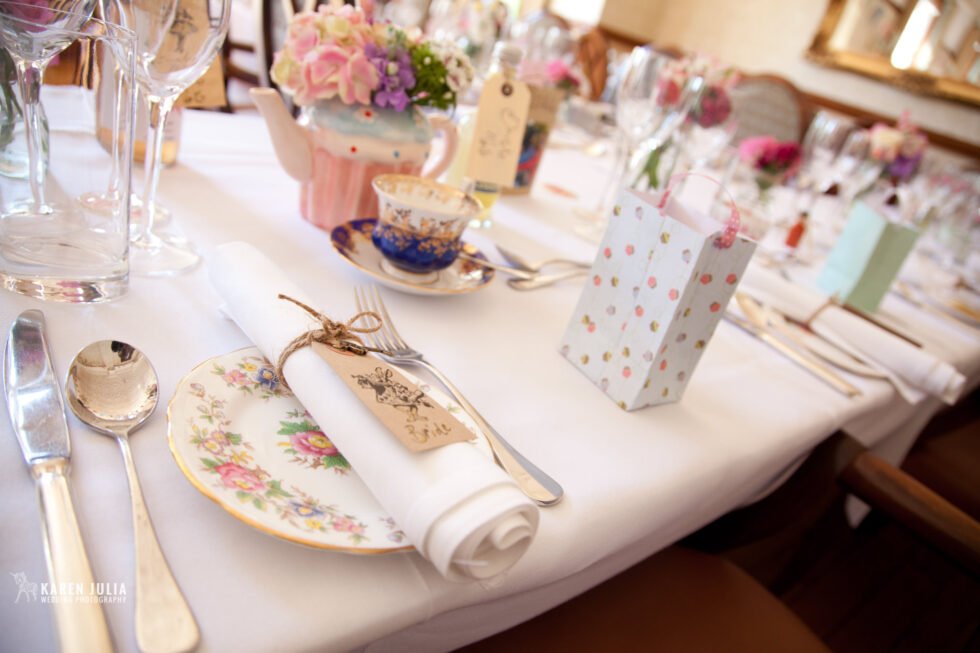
column 772, row 36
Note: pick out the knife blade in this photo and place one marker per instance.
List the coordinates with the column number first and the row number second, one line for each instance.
column 803, row 359
column 37, row 414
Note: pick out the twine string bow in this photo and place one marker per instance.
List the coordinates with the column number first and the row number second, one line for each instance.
column 342, row 336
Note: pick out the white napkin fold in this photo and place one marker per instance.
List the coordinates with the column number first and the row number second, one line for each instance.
column 917, row 368
column 461, row 511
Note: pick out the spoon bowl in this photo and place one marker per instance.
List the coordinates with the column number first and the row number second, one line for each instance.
column 112, row 387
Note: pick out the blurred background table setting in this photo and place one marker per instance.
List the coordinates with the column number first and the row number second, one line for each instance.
column 455, row 310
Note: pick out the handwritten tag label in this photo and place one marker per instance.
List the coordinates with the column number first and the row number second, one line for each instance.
column 208, row 92
column 182, row 46
column 500, row 121
column 415, row 419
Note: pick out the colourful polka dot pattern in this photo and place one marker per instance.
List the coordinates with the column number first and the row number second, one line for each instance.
column 635, row 305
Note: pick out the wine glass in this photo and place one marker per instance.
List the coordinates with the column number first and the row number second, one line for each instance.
column 33, row 34
column 176, row 41
column 823, row 141
column 646, row 117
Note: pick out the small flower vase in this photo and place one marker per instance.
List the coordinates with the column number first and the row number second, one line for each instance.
column 13, row 141
column 658, row 168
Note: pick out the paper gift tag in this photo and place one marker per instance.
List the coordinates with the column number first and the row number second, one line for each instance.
column 182, row 46
column 500, row 121
column 208, row 92
column 417, row 421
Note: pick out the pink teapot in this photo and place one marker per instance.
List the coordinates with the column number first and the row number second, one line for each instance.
column 335, row 150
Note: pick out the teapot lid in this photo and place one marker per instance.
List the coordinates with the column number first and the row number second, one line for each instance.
column 359, row 120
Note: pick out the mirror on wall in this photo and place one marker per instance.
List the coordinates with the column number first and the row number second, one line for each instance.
column 930, row 47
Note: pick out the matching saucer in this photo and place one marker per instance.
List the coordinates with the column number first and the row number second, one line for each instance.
column 352, row 240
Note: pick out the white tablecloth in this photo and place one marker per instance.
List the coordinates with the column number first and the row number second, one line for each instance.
column 635, row 482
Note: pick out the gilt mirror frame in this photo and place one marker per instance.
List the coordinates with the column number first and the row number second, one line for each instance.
column 880, row 68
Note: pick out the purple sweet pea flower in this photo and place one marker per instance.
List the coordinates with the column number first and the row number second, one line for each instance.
column 397, row 76
column 903, row 167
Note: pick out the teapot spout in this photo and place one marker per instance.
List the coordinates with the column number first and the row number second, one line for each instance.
column 291, row 141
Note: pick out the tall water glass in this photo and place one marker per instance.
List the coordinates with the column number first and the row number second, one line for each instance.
column 176, row 41
column 67, row 252
column 644, row 115
column 33, row 34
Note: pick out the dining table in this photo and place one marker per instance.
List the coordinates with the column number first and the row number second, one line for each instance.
column 635, row 482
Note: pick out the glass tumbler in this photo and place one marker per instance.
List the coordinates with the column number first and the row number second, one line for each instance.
column 67, row 249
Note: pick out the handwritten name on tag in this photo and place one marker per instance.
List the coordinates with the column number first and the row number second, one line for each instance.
column 412, row 416
column 500, row 121
column 208, row 92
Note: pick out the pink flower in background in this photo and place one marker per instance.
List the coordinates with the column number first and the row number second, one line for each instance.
column 713, row 108
column 237, row 477
column 767, row 155
column 35, row 11
column 333, row 71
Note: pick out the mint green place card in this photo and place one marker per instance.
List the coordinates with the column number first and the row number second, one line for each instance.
column 866, row 258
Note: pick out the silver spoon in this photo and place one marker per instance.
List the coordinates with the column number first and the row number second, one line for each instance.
column 112, row 388
column 520, row 262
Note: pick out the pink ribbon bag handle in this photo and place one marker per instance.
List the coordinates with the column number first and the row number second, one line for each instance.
column 727, row 237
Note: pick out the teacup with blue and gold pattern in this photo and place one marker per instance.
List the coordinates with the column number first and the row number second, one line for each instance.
column 420, row 222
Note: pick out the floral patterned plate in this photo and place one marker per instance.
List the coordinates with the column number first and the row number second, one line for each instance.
column 352, row 240
column 245, row 442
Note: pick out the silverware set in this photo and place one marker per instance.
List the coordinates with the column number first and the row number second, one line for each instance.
column 534, row 482
column 113, row 389
column 531, row 276
column 757, row 324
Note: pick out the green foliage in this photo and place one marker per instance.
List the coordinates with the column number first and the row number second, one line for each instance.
column 289, row 428
column 431, row 89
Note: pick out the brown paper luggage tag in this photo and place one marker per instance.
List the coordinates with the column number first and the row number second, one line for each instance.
column 415, row 419
column 500, row 121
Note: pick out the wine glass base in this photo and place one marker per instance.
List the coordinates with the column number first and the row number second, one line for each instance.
column 159, row 258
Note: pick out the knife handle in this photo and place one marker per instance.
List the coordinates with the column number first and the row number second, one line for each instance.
column 80, row 621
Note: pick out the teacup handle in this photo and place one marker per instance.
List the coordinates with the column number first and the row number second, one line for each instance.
column 450, row 133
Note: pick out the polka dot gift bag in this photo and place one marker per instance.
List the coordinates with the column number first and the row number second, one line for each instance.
column 657, row 290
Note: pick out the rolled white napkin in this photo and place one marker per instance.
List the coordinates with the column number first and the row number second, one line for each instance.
column 918, row 368
column 460, row 510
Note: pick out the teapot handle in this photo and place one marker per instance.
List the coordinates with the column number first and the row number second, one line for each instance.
column 450, row 134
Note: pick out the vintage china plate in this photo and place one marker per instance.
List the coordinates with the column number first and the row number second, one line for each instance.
column 352, row 240
column 246, row 443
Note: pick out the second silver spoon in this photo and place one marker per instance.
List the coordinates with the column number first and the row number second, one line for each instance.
column 113, row 388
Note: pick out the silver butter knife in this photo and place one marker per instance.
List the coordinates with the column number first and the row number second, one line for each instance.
column 756, row 325
column 37, row 414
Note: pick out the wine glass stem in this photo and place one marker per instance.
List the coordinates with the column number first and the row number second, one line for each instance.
column 615, row 177
column 29, row 76
column 159, row 110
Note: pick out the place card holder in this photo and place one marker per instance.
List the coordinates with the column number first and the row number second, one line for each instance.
column 656, row 292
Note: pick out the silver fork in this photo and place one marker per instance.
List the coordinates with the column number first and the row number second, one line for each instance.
column 535, row 483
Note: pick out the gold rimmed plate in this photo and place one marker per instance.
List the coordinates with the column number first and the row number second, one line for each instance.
column 244, row 441
column 352, row 240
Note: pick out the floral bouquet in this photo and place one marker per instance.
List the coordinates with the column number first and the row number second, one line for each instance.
column 339, row 52
column 899, row 148
column 714, row 106
column 555, row 73
column 771, row 160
